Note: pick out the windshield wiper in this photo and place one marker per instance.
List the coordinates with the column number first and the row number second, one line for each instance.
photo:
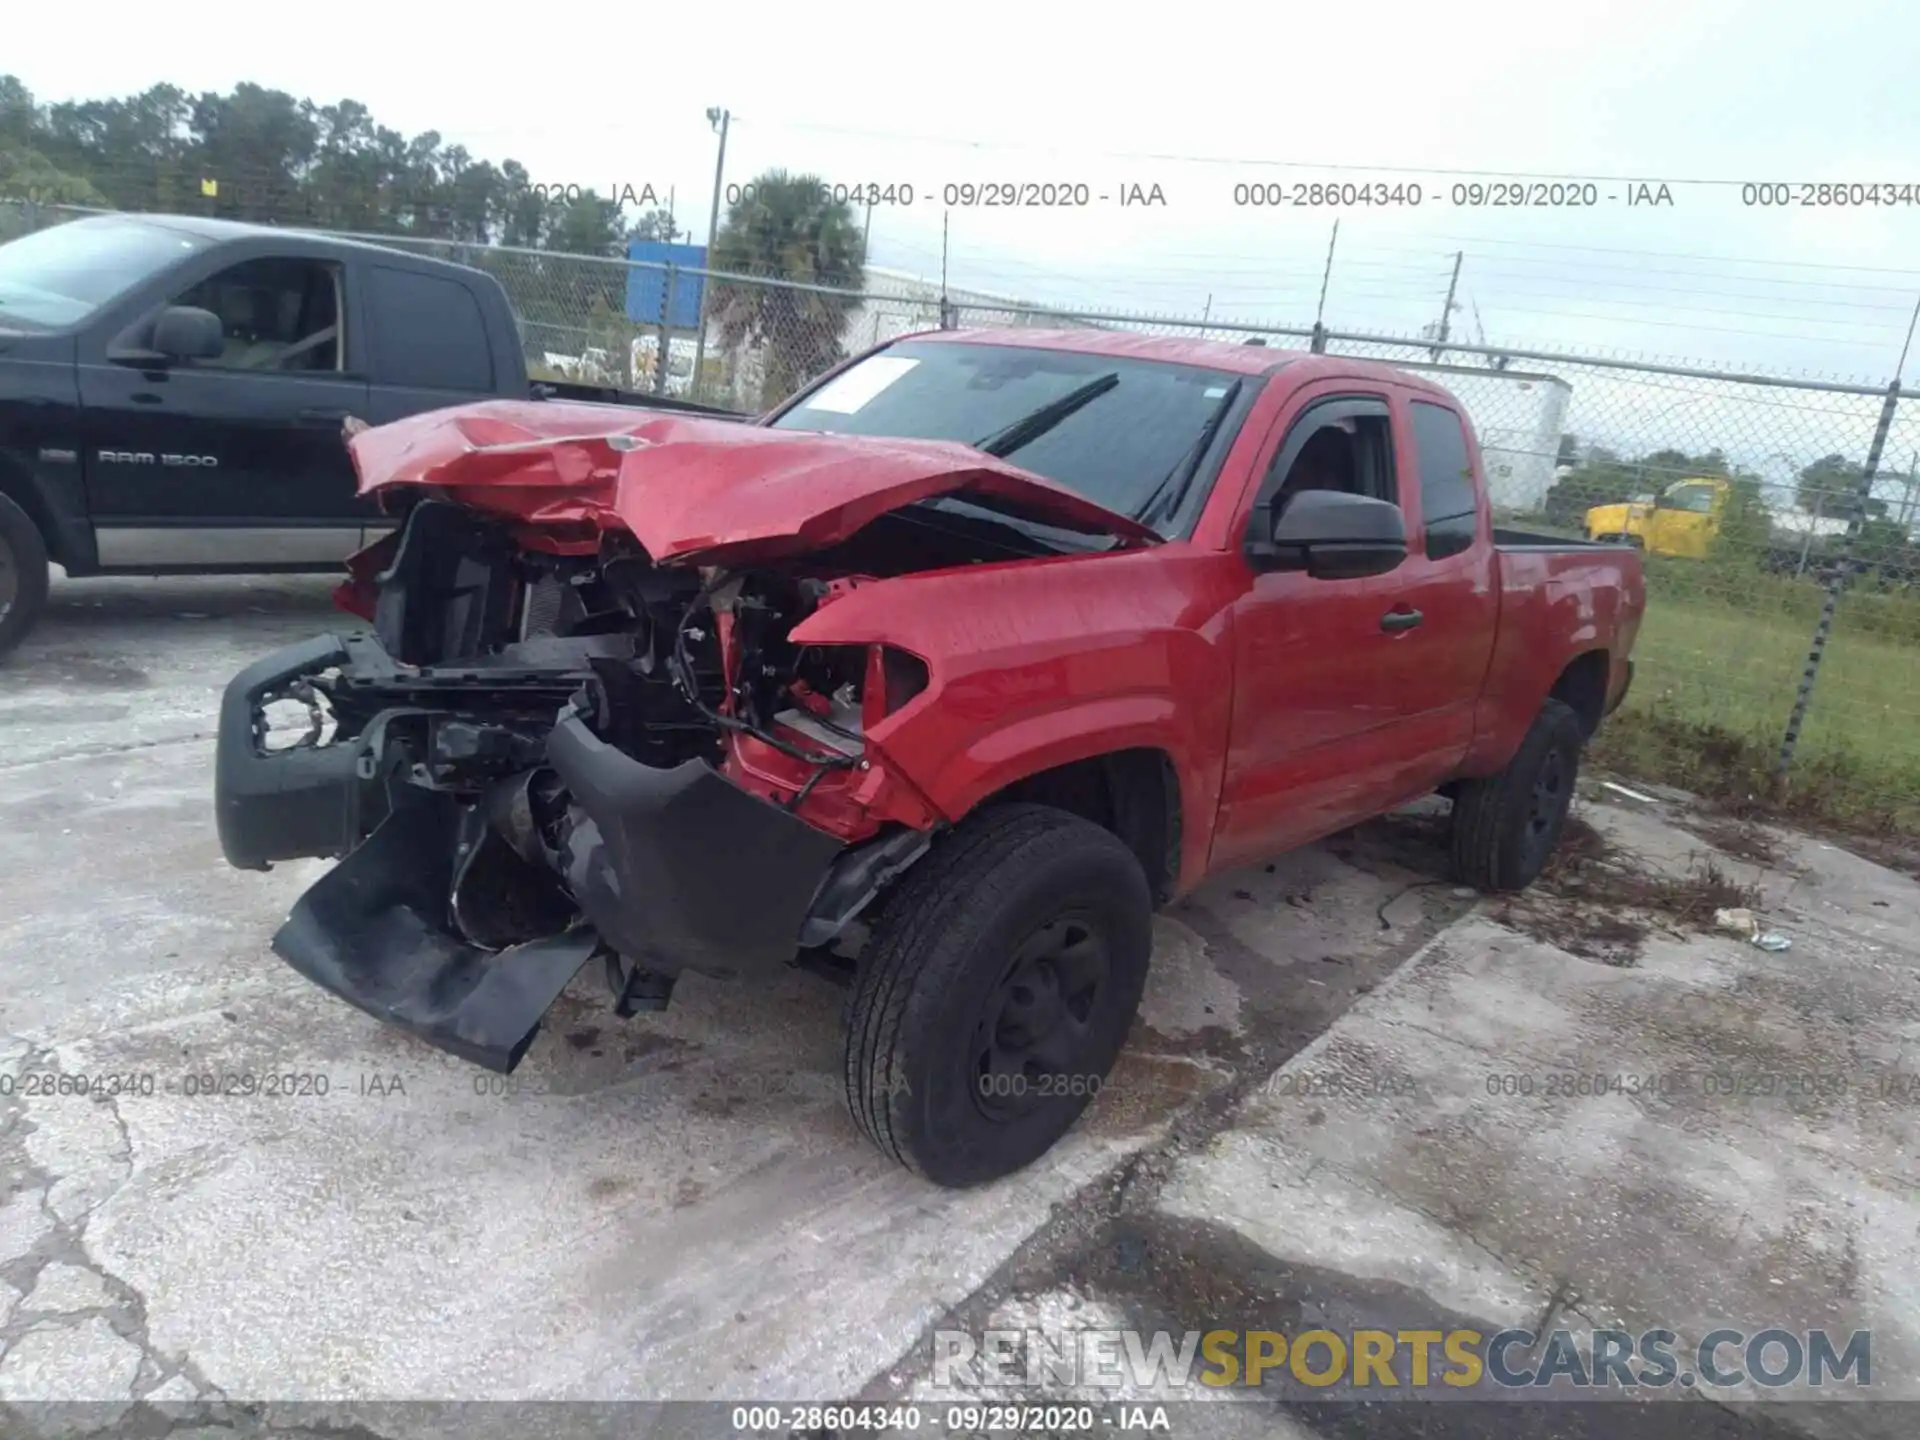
column 1172, row 489
column 1028, row 428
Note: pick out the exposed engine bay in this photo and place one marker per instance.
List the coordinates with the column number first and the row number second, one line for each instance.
column 553, row 757
column 590, row 722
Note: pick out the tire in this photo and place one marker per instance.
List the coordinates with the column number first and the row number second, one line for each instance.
column 23, row 574
column 1019, row 903
column 1506, row 826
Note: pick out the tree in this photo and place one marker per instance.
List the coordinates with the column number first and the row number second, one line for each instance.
column 276, row 159
column 1601, row 478
column 787, row 226
column 1831, row 487
column 29, row 174
column 587, row 225
column 656, row 225
column 19, row 116
column 1746, row 526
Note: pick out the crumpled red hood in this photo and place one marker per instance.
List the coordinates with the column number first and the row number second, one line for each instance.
column 688, row 487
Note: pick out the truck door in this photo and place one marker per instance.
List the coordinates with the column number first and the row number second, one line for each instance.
column 1686, row 518
column 1311, row 747
column 1443, row 600
column 430, row 343
column 235, row 462
column 430, row 347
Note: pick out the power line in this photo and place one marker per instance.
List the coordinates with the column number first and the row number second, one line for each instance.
column 1675, row 255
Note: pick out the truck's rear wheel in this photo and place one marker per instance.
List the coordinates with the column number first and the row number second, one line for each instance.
column 23, row 574
column 995, row 991
column 1506, row 826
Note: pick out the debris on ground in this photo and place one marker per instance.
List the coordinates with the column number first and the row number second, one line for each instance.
column 1773, row 940
column 1739, row 921
column 1619, row 789
column 1737, row 836
column 1600, row 902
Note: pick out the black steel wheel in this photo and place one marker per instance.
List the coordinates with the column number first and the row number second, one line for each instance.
column 1506, row 826
column 995, row 992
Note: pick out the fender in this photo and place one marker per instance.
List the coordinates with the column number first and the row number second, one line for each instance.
column 1018, row 685
column 1000, row 757
column 51, row 492
column 1546, row 623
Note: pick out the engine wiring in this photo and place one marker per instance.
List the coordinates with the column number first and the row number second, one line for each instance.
column 681, row 666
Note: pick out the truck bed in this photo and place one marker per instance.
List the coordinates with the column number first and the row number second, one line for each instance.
column 1505, row 538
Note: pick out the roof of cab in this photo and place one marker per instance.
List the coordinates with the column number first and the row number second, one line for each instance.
column 203, row 227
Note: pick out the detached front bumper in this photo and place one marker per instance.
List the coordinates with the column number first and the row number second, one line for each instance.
column 295, row 802
column 670, row 869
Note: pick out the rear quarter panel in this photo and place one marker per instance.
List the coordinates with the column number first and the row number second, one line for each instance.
column 1555, row 606
column 1041, row 663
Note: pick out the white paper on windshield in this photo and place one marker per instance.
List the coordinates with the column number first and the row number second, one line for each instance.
column 848, row 394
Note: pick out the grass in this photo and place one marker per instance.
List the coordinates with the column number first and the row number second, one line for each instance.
column 1714, row 687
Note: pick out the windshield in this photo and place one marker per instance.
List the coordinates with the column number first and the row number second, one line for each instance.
column 1111, row 429
column 57, row 277
column 1691, row 496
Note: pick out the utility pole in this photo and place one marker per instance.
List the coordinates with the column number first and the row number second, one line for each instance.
column 866, row 234
column 1446, row 310
column 719, row 119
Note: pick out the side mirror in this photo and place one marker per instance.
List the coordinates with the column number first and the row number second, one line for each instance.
column 184, row 332
column 1334, row 536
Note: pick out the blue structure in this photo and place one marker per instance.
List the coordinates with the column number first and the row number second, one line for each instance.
column 644, row 286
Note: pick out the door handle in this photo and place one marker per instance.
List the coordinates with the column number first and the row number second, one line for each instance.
column 1396, row 620
column 319, row 416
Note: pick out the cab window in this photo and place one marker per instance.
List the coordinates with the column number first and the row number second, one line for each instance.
column 1347, row 446
column 1448, row 505
column 276, row 314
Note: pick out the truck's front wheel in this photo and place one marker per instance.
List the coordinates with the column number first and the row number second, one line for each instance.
column 1506, row 826
column 23, row 574
column 994, row 992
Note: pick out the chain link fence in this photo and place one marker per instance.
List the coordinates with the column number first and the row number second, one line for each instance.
column 1777, row 516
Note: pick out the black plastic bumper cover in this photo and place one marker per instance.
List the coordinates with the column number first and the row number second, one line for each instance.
column 289, row 804
column 372, row 931
column 675, row 869
column 680, row 868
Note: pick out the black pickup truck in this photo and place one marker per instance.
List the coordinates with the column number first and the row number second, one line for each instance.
column 172, row 392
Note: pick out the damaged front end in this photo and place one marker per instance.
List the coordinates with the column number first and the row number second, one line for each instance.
column 541, row 759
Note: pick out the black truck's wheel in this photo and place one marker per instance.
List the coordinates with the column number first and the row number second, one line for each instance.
column 23, row 574
column 1506, row 826
column 995, row 991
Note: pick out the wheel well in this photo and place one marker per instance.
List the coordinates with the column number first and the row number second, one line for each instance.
column 28, row 499
column 1135, row 794
column 1582, row 686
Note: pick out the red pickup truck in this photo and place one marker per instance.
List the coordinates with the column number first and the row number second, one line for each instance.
column 936, row 680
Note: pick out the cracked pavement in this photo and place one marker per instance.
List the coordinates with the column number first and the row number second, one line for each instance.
column 677, row 1207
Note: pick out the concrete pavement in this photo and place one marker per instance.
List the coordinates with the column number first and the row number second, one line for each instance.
column 1321, row 1117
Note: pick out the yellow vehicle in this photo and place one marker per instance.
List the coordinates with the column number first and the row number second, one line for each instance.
column 1681, row 520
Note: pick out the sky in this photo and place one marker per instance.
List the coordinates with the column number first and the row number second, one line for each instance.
column 1699, row 94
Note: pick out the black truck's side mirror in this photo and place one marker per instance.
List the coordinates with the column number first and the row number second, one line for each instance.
column 185, row 332
column 1333, row 535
